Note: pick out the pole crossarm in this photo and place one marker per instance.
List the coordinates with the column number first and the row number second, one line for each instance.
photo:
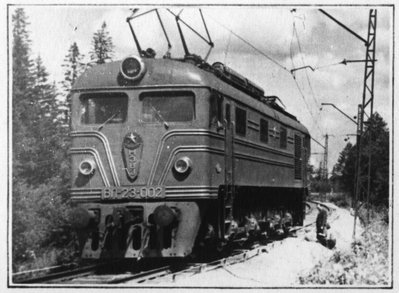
column 317, row 142
column 344, row 26
column 342, row 112
column 345, row 61
column 303, row 67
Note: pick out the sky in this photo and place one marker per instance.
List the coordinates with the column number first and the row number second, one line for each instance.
column 285, row 38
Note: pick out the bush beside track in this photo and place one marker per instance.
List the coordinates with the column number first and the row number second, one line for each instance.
column 365, row 263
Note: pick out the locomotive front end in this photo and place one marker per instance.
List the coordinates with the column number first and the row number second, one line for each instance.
column 137, row 154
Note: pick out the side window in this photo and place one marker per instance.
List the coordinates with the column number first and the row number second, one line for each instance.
column 241, row 121
column 283, row 137
column 228, row 116
column 220, row 109
column 216, row 109
column 264, row 130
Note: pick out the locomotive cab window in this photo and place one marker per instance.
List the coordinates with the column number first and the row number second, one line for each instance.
column 167, row 107
column 283, row 138
column 99, row 108
column 241, row 121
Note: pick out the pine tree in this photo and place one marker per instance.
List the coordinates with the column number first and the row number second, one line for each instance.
column 102, row 50
column 37, row 128
column 379, row 149
column 44, row 92
column 73, row 67
column 47, row 130
column 21, row 63
column 23, row 142
column 21, row 88
column 345, row 167
column 343, row 171
column 40, row 161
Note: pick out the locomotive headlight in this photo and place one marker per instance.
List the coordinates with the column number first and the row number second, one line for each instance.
column 183, row 165
column 132, row 68
column 87, row 167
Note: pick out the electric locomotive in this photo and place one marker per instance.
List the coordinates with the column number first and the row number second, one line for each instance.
column 169, row 155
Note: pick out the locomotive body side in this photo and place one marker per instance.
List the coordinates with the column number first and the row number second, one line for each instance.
column 162, row 163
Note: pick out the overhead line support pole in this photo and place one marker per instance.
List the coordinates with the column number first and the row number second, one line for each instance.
column 325, row 158
column 363, row 187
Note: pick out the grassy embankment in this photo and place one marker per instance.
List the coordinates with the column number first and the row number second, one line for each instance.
column 368, row 261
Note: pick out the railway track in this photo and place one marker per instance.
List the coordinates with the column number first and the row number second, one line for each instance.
column 121, row 278
column 311, row 218
column 56, row 274
column 89, row 274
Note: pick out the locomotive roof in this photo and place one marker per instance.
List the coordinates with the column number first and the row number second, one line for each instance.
column 169, row 72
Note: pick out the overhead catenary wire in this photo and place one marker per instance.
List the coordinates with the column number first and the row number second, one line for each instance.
column 315, row 121
column 279, row 65
column 226, row 51
column 251, row 45
column 307, row 106
column 317, row 142
column 296, row 82
column 269, row 58
column 315, row 100
column 304, row 64
column 327, row 65
column 291, row 44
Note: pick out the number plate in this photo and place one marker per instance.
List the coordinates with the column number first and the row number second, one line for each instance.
column 137, row 192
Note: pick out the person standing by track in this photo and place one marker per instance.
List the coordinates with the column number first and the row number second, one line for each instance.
column 323, row 235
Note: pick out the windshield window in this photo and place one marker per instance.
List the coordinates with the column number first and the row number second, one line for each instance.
column 167, row 107
column 99, row 108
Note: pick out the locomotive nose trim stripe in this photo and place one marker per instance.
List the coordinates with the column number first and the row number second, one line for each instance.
column 107, row 148
column 94, row 153
column 177, row 132
column 171, row 192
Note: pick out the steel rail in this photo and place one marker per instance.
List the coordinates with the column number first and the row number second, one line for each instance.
column 122, row 278
column 30, row 274
column 57, row 276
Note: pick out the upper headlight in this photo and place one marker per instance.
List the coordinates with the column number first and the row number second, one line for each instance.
column 132, row 68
